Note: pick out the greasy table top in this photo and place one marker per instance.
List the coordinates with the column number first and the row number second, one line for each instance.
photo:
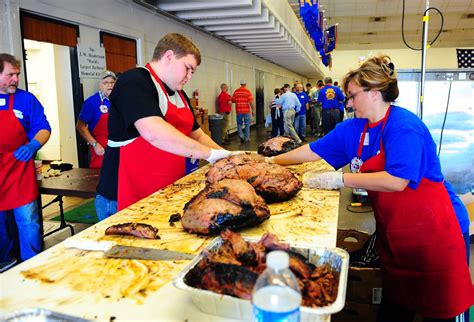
column 89, row 285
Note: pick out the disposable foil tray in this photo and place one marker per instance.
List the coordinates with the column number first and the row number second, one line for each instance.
column 236, row 308
column 41, row 315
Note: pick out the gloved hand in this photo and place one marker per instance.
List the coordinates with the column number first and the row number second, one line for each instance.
column 237, row 152
column 217, row 155
column 269, row 160
column 26, row 152
column 326, row 180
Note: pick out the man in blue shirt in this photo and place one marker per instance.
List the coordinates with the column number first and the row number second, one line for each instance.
column 332, row 101
column 300, row 119
column 290, row 105
column 93, row 119
column 25, row 130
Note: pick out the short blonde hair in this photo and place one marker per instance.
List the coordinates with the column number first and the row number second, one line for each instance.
column 377, row 73
column 179, row 44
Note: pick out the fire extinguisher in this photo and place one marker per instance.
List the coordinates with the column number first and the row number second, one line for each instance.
column 196, row 96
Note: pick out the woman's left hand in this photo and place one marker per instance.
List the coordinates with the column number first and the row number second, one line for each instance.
column 327, row 180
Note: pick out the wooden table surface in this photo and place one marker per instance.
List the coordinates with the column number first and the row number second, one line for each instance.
column 77, row 182
column 87, row 284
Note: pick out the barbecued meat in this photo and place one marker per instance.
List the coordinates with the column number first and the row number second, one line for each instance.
column 133, row 229
column 228, row 271
column 225, row 204
column 277, row 145
column 271, row 181
column 221, row 278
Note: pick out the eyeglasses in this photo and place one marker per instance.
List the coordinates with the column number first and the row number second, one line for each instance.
column 353, row 95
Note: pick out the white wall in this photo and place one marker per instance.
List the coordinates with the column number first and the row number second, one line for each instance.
column 130, row 20
column 345, row 60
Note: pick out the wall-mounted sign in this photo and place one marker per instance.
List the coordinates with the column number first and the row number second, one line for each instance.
column 91, row 60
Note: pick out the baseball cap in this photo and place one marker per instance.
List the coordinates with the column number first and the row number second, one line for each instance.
column 107, row 73
column 243, row 82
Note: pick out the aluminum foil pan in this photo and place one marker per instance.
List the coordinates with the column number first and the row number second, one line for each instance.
column 40, row 315
column 236, row 308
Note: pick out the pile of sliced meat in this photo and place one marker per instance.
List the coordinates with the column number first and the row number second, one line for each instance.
column 271, row 181
column 277, row 145
column 234, row 267
column 224, row 204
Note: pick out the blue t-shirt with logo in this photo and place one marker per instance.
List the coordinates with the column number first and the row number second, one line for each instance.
column 331, row 97
column 90, row 112
column 303, row 98
column 410, row 151
column 28, row 111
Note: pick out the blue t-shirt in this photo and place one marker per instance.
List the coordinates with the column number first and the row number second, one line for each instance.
column 90, row 112
column 303, row 98
column 410, row 152
column 28, row 111
column 331, row 97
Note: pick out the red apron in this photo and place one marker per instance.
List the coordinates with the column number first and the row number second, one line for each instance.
column 421, row 246
column 18, row 185
column 143, row 168
column 100, row 134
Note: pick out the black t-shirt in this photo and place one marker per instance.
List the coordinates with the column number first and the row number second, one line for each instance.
column 134, row 97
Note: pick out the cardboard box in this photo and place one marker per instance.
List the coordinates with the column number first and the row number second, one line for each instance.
column 356, row 312
column 364, row 285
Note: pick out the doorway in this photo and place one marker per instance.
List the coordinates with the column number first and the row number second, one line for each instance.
column 51, row 75
column 260, row 96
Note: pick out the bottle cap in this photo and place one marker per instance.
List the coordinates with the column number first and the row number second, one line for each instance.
column 278, row 260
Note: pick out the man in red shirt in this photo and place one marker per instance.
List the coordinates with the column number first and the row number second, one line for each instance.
column 223, row 101
column 243, row 106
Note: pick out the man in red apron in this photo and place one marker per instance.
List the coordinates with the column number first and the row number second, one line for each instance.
column 24, row 130
column 154, row 138
column 93, row 119
column 419, row 224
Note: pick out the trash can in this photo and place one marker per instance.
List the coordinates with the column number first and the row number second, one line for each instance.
column 216, row 122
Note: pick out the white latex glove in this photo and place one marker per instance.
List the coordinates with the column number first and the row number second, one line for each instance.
column 237, row 152
column 269, row 160
column 216, row 155
column 327, row 180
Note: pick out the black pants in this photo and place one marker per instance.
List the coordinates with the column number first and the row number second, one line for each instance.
column 330, row 118
column 277, row 123
column 389, row 312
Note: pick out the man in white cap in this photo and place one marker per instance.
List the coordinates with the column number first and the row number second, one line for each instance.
column 244, row 108
column 93, row 119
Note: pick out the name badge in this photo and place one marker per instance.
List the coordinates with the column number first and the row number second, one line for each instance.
column 366, row 139
column 3, row 102
column 104, row 109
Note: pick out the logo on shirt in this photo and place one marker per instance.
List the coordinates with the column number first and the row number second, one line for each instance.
column 18, row 114
column 103, row 108
column 330, row 94
column 356, row 164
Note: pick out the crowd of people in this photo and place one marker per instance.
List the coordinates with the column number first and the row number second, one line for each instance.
column 144, row 136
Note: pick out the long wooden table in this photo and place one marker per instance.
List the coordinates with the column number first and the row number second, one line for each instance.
column 78, row 182
column 88, row 285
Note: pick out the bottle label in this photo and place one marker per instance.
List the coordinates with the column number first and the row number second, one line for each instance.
column 268, row 316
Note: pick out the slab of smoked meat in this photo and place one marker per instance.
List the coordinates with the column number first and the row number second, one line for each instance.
column 277, row 145
column 224, row 204
column 271, row 181
column 133, row 229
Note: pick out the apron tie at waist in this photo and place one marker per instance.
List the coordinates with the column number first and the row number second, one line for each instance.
column 118, row 144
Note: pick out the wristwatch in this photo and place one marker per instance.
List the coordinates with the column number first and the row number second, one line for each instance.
column 93, row 144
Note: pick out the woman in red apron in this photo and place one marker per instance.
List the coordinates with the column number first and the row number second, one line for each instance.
column 421, row 247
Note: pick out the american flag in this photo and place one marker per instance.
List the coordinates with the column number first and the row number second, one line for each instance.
column 465, row 58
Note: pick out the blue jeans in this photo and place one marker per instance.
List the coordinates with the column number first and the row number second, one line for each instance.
column 245, row 119
column 300, row 125
column 104, row 207
column 27, row 221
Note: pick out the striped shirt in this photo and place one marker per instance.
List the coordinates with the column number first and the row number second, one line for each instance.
column 242, row 97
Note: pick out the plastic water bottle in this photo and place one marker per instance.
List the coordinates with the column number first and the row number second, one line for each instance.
column 276, row 295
